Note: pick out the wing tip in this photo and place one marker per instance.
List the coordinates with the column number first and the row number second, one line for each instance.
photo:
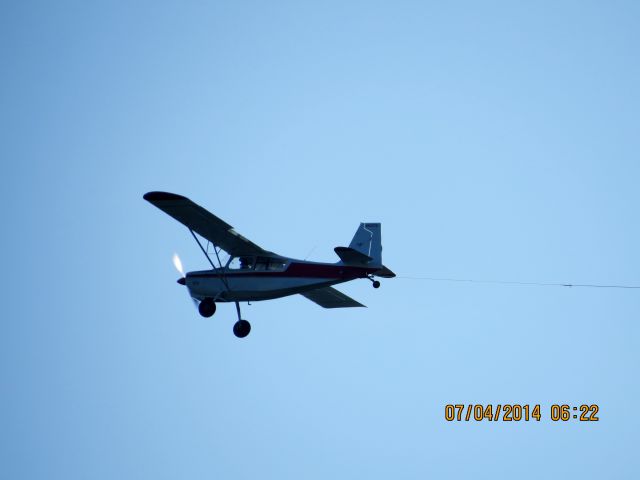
column 162, row 196
column 329, row 297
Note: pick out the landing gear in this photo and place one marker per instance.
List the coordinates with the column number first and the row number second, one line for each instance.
column 241, row 328
column 376, row 283
column 207, row 307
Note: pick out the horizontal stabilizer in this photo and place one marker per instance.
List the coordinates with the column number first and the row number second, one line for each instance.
column 329, row 297
column 384, row 272
column 352, row 256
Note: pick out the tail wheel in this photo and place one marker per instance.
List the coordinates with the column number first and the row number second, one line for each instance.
column 207, row 307
column 241, row 328
column 376, row 284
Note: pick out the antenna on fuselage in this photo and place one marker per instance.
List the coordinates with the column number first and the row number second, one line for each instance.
column 310, row 252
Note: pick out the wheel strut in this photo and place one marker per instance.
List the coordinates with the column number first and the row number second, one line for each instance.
column 241, row 328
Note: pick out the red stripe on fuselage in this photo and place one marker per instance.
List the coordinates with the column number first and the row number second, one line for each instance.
column 307, row 270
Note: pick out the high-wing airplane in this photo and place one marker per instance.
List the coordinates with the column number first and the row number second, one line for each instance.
column 251, row 273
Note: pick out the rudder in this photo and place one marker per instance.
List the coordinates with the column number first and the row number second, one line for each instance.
column 368, row 240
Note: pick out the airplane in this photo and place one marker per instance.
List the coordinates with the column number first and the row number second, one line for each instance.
column 251, row 273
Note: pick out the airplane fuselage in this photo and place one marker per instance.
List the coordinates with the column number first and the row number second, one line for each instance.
column 233, row 285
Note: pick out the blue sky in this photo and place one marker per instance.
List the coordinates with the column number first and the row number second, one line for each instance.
column 493, row 141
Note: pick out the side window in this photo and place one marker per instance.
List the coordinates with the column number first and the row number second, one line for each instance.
column 276, row 265
column 270, row 264
column 241, row 263
column 261, row 264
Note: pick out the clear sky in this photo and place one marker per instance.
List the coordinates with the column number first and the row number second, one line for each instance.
column 493, row 140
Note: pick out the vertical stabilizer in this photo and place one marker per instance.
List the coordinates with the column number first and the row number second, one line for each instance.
column 368, row 240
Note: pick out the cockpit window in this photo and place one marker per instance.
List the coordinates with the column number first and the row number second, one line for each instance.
column 241, row 263
column 259, row 264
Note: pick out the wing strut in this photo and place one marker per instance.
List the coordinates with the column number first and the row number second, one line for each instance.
column 215, row 249
column 204, row 251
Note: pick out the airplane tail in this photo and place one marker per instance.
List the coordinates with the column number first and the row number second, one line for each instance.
column 368, row 240
column 366, row 249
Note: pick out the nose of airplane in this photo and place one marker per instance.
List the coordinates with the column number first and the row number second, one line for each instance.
column 182, row 281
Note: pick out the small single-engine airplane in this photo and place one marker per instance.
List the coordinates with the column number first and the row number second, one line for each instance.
column 252, row 273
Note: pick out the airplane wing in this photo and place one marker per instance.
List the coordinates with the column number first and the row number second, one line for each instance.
column 204, row 223
column 329, row 297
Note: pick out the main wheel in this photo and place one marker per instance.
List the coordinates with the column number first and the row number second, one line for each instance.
column 241, row 328
column 376, row 284
column 207, row 307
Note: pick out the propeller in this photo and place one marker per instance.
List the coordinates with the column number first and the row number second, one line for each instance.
column 182, row 280
column 178, row 264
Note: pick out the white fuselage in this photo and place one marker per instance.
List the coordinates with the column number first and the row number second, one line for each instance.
column 224, row 285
